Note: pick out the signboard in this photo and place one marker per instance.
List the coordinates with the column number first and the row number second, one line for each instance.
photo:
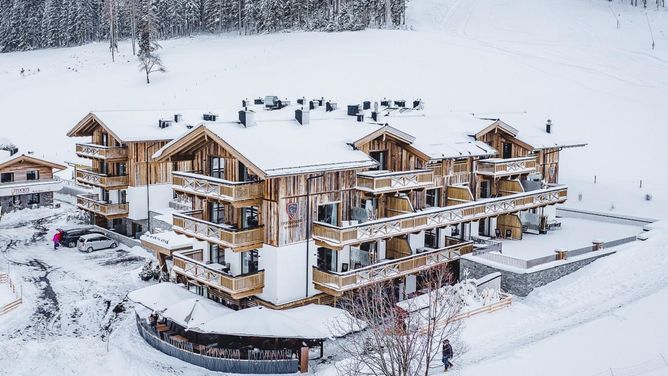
column 292, row 210
column 26, row 189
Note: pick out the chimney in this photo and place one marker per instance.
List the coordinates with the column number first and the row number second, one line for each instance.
column 247, row 118
column 360, row 117
column 353, row 109
column 244, row 103
column 385, row 102
column 258, row 101
column 548, row 126
column 400, row 103
column 312, row 105
column 300, row 101
column 366, row 105
column 178, row 117
column 374, row 115
column 330, row 106
column 164, row 123
column 302, row 116
column 321, row 101
column 209, row 117
column 13, row 150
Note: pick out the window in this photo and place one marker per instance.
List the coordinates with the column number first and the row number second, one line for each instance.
column 122, row 169
column 244, row 174
column 329, row 213
column 327, row 259
column 431, row 238
column 105, row 196
column 32, row 175
column 217, row 167
column 122, row 197
column 216, row 213
column 250, row 217
column 484, row 189
column 216, row 255
column 105, row 139
column 507, row 150
column 381, row 158
column 432, row 197
column 33, row 199
column 104, row 168
column 249, row 262
column 6, row 177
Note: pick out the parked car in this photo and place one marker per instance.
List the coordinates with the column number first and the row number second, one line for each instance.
column 71, row 235
column 94, row 242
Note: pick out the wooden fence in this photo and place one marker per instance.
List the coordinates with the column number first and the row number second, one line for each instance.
column 4, row 279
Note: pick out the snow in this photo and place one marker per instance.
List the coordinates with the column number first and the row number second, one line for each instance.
column 160, row 296
column 168, row 240
column 6, row 295
column 194, row 312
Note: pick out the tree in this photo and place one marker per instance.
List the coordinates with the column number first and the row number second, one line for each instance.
column 149, row 60
column 404, row 339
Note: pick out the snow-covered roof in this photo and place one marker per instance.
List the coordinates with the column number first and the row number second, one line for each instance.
column 194, row 312
column 160, row 296
column 141, row 125
column 167, row 240
column 6, row 160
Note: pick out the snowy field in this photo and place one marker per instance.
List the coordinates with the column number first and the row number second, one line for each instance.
column 562, row 59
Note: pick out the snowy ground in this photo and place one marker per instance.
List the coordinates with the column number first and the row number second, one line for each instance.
column 574, row 233
column 562, row 59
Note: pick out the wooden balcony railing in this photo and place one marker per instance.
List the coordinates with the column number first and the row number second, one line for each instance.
column 339, row 236
column 94, row 151
column 505, row 167
column 92, row 203
column 387, row 181
column 192, row 224
column 334, row 283
column 238, row 287
column 89, row 177
column 219, row 189
column 457, row 178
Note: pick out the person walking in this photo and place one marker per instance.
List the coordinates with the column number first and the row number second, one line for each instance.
column 447, row 354
column 56, row 240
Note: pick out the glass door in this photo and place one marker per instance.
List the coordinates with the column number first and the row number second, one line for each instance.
column 249, row 262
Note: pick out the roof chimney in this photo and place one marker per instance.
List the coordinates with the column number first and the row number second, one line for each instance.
column 302, row 116
column 209, row 117
column 178, row 117
column 330, row 106
column 353, row 109
column 548, row 126
column 247, row 118
column 374, row 115
column 164, row 123
column 360, row 117
column 366, row 105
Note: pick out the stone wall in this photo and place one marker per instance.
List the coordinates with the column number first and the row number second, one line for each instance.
column 11, row 203
column 521, row 284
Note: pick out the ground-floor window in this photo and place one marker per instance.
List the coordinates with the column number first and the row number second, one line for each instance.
column 33, row 199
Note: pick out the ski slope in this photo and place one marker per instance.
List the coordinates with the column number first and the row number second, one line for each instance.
column 560, row 59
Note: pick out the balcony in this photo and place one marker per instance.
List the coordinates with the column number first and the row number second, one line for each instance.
column 93, row 204
column 339, row 236
column 187, row 264
column 107, row 153
column 378, row 182
column 217, row 189
column 336, row 284
column 239, row 240
column 497, row 167
column 85, row 176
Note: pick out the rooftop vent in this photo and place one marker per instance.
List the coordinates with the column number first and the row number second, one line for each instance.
column 209, row 117
column 330, row 106
column 302, row 116
column 353, row 109
column 360, row 117
column 12, row 150
column 178, row 117
column 366, row 105
column 164, row 123
column 321, row 101
column 418, row 104
column 548, row 126
column 374, row 115
column 312, row 105
column 247, row 118
column 400, row 103
column 258, row 101
column 301, row 100
column 386, row 102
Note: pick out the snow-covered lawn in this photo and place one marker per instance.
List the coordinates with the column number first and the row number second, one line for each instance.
column 574, row 233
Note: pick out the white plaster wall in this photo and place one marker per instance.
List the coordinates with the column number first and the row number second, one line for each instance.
column 160, row 195
column 285, row 268
column 411, row 284
column 416, row 240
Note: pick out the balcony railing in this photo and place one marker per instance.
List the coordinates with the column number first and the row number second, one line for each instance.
column 102, row 152
column 337, row 283
column 457, row 178
column 219, row 189
column 339, row 236
column 191, row 224
column 238, row 287
column 505, row 167
column 89, row 177
column 387, row 181
column 92, row 203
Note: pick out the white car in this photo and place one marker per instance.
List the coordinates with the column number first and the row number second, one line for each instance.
column 93, row 242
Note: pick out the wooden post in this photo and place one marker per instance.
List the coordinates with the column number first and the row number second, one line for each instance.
column 303, row 360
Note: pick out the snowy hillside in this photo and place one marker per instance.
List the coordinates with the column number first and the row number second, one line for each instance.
column 565, row 60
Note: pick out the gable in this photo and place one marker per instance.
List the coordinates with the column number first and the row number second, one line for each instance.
column 499, row 129
column 87, row 127
column 24, row 161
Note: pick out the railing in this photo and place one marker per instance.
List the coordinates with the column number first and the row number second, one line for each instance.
column 4, row 279
column 102, row 152
column 337, row 283
column 437, row 217
column 211, row 358
column 86, row 176
column 237, row 286
column 92, row 203
column 188, row 223
column 230, row 191
column 510, row 166
column 458, row 178
column 387, row 181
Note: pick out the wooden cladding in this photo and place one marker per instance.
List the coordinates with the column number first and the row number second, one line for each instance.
column 339, row 236
column 217, row 189
column 93, row 151
column 89, row 177
column 337, row 283
column 188, row 265
column 106, row 209
column 385, row 181
column 504, row 167
column 227, row 236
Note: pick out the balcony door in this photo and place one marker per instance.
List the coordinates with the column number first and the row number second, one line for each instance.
column 249, row 262
column 250, row 217
column 217, row 167
column 381, row 157
column 507, row 150
column 216, row 213
column 122, row 169
column 105, row 139
column 327, row 259
column 329, row 213
column 216, row 255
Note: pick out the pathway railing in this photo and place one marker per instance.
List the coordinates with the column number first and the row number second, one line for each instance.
column 4, row 279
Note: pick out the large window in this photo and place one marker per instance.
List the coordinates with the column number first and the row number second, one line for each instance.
column 507, row 150
column 216, row 213
column 6, row 177
column 433, row 197
column 381, row 158
column 33, row 199
column 329, row 213
column 32, row 175
column 244, row 174
column 250, row 217
column 217, row 167
column 105, row 139
column 216, row 255
column 327, row 259
column 249, row 262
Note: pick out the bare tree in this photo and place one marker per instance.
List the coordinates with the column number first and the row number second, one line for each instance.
column 150, row 62
column 401, row 339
